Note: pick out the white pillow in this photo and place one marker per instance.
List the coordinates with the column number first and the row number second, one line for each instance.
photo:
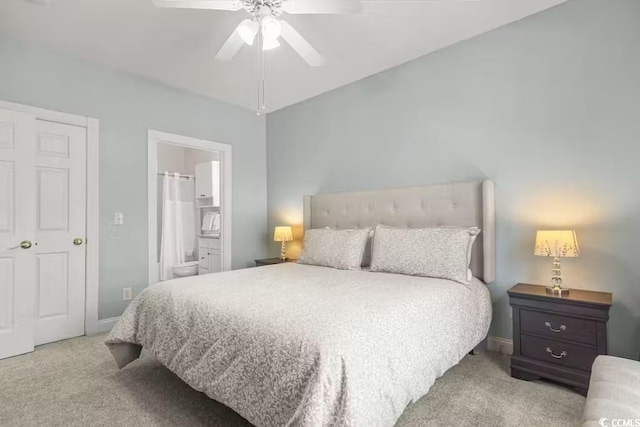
column 366, row 256
column 342, row 249
column 441, row 252
column 474, row 234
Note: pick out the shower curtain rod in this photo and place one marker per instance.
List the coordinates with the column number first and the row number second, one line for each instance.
column 181, row 176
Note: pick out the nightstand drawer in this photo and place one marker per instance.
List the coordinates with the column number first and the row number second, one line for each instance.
column 558, row 327
column 558, row 352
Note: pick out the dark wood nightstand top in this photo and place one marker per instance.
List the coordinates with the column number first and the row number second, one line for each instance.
column 272, row 261
column 576, row 296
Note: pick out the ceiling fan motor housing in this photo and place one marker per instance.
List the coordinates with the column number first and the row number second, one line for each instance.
column 258, row 7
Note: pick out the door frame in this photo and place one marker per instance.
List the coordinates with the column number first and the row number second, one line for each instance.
column 226, row 151
column 92, row 324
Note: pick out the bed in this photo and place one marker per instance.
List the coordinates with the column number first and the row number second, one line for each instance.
column 294, row 344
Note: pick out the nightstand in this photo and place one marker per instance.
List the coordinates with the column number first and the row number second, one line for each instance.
column 557, row 338
column 271, row 261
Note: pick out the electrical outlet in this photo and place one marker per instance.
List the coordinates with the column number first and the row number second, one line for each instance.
column 127, row 294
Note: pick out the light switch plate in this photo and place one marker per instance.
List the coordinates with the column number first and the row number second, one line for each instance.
column 118, row 218
column 127, row 294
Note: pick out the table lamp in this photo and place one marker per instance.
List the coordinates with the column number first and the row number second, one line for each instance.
column 282, row 234
column 557, row 244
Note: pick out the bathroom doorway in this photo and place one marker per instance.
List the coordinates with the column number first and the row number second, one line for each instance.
column 189, row 206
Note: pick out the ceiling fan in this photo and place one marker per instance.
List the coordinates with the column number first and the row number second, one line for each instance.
column 265, row 21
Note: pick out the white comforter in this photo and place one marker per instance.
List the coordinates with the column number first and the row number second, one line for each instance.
column 293, row 344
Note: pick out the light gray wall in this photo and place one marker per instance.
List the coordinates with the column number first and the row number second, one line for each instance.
column 127, row 108
column 548, row 107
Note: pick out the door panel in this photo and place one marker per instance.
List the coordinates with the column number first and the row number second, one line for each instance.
column 61, row 216
column 215, row 266
column 7, row 291
column 17, row 219
column 7, row 121
column 7, row 184
column 53, row 285
column 53, row 199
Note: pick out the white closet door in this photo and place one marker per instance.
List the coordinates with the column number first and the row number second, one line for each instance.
column 60, row 231
column 17, row 216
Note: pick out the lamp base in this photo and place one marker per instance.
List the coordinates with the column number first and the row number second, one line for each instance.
column 557, row 291
column 283, row 250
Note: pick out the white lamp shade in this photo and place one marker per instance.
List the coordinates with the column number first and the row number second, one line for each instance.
column 268, row 44
column 247, row 30
column 282, row 234
column 556, row 243
column 271, row 28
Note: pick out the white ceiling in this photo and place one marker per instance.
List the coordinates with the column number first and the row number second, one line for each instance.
column 177, row 46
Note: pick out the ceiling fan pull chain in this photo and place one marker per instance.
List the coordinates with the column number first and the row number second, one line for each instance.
column 264, row 78
column 260, row 52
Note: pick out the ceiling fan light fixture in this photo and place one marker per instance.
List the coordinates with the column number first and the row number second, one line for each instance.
column 268, row 44
column 247, row 30
column 271, row 28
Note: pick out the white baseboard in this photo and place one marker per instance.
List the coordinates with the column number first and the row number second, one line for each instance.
column 500, row 345
column 102, row 326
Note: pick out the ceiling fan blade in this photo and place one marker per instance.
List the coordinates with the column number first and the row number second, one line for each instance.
column 321, row 6
column 300, row 45
column 200, row 4
column 231, row 47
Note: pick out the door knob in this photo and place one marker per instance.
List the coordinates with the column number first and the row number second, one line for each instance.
column 77, row 241
column 25, row 244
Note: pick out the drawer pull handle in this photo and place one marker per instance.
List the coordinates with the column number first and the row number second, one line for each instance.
column 562, row 327
column 560, row 356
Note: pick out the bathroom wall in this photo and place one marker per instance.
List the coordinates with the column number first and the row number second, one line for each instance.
column 193, row 157
column 173, row 158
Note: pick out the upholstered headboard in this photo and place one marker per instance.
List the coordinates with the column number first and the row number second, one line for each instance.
column 464, row 204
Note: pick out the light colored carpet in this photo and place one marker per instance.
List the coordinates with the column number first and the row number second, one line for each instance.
column 75, row 382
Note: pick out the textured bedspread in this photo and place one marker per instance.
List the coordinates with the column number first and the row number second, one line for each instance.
column 293, row 344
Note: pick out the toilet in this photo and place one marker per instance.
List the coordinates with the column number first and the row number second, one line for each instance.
column 185, row 270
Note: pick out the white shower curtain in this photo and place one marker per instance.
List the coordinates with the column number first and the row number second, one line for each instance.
column 172, row 246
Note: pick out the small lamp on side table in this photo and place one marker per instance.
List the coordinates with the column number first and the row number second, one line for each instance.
column 282, row 234
column 557, row 244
